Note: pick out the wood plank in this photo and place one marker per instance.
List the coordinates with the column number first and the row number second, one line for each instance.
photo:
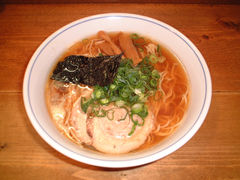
column 213, row 153
column 121, row 1
column 214, row 30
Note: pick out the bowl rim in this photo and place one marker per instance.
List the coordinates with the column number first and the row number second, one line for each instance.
column 117, row 163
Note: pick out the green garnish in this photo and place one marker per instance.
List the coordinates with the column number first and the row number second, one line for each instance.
column 153, row 58
column 85, row 104
column 104, row 101
column 133, row 129
column 135, row 36
column 130, row 89
column 153, row 83
column 100, row 113
column 138, row 40
column 155, row 74
column 127, row 113
column 137, row 108
column 98, row 92
column 120, row 103
column 112, row 114
column 113, row 87
column 159, row 50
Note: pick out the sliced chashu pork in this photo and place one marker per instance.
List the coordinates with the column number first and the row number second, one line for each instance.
column 64, row 106
column 78, row 123
column 60, row 98
column 111, row 136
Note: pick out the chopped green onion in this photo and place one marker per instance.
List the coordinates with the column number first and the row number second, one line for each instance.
column 125, row 92
column 85, row 104
column 100, row 113
column 120, row 103
column 114, row 98
column 143, row 113
column 137, row 91
column 144, row 77
column 155, row 74
column 133, row 77
column 104, row 101
column 153, row 58
column 153, row 83
column 133, row 99
column 130, row 89
column 133, row 129
column 98, row 93
column 113, row 87
column 159, row 50
column 105, row 89
column 142, row 97
column 127, row 112
column 112, row 117
column 134, row 36
column 136, row 108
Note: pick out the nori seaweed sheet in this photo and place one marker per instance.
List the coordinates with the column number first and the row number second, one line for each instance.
column 91, row 71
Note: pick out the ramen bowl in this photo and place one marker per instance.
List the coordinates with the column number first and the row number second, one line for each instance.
column 51, row 49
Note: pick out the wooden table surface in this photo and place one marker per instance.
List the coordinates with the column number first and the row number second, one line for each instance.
column 213, row 153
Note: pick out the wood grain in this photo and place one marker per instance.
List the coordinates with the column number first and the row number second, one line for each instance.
column 213, row 153
column 121, row 1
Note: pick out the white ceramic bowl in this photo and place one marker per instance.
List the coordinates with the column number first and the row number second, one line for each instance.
column 50, row 50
